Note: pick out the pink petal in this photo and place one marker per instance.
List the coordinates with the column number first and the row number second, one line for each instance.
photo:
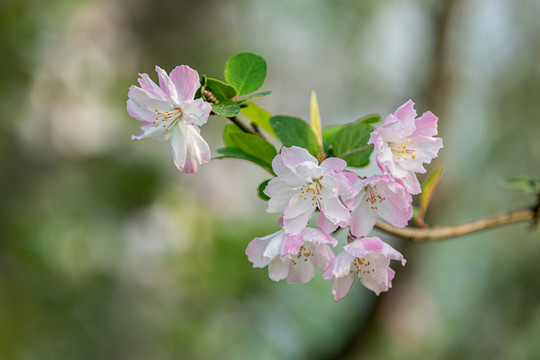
column 189, row 148
column 302, row 272
column 291, row 244
column 340, row 266
column 317, row 237
column 186, row 81
column 326, row 225
column 261, row 251
column 406, row 113
column 150, row 86
column 196, row 112
column 335, row 211
column 278, row 269
column 363, row 219
column 167, row 85
column 342, row 286
column 295, row 225
column 334, row 164
column 426, row 125
column 397, row 207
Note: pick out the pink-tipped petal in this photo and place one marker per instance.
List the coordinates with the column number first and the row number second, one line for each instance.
column 189, row 148
column 342, row 286
column 186, row 81
column 167, row 85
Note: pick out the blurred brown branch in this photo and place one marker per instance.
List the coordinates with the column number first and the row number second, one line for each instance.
column 444, row 232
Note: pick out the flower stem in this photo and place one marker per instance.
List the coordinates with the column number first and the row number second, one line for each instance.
column 355, row 151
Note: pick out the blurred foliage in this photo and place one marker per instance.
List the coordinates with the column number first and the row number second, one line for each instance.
column 107, row 252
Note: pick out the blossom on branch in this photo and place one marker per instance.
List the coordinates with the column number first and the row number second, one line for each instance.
column 302, row 185
column 168, row 111
column 369, row 259
column 403, row 143
column 292, row 257
column 378, row 195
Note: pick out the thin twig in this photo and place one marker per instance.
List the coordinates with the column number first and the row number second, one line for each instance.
column 355, row 151
column 444, row 232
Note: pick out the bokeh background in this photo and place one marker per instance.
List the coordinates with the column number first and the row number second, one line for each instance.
column 108, row 252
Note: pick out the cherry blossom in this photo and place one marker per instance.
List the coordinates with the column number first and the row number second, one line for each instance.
column 403, row 143
column 378, row 195
column 292, row 257
column 168, row 111
column 302, row 185
column 369, row 259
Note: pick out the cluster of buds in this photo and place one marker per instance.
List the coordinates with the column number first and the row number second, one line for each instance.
column 304, row 186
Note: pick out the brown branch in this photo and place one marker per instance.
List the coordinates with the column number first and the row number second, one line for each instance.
column 444, row 232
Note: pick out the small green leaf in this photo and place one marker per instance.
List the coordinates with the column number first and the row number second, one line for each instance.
column 230, row 128
column 254, row 146
column 227, row 108
column 258, row 115
column 260, row 190
column 294, row 131
column 236, row 153
column 526, row 184
column 220, row 90
column 369, row 119
column 428, row 187
column 256, row 95
column 246, row 72
column 200, row 91
column 351, row 138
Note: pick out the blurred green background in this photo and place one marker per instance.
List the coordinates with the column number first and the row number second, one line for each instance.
column 108, row 252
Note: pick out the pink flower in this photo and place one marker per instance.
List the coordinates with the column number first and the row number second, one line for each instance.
column 292, row 257
column 403, row 143
column 301, row 186
column 169, row 111
column 378, row 195
column 369, row 258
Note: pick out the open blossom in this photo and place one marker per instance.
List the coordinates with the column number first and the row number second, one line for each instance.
column 292, row 257
column 369, row 259
column 302, row 185
column 378, row 195
column 169, row 111
column 403, row 143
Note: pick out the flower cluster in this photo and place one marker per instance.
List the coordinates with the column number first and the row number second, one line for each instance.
column 302, row 186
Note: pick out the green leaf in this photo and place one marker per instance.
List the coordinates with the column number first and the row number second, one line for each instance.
column 254, row 146
column 428, row 187
column 220, row 90
column 227, row 108
column 369, row 119
column 351, row 138
column 294, row 131
column 258, row 115
column 246, row 72
column 329, row 134
column 236, row 153
column 256, row 95
column 230, row 128
column 260, row 190
column 200, row 91
column 526, row 184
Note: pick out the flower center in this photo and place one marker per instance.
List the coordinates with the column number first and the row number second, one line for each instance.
column 401, row 150
column 313, row 191
column 373, row 198
column 169, row 118
column 303, row 255
column 362, row 266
